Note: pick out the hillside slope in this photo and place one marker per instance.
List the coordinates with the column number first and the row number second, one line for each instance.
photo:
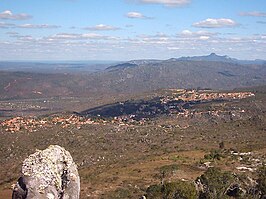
column 133, row 78
column 185, row 74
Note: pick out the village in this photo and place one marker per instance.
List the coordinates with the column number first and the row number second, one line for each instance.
column 178, row 104
column 194, row 95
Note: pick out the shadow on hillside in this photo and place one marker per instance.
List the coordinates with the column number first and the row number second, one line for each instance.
column 139, row 108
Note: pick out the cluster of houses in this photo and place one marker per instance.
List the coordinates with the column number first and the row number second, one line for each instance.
column 18, row 123
column 169, row 104
column 32, row 123
column 193, row 95
column 213, row 113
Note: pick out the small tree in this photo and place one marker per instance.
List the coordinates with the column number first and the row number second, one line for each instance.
column 179, row 190
column 216, row 183
column 172, row 190
column 154, row 192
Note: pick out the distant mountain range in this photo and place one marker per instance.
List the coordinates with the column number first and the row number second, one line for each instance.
column 224, row 58
column 211, row 57
column 137, row 76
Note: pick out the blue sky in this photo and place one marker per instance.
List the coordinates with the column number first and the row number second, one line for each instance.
column 131, row 29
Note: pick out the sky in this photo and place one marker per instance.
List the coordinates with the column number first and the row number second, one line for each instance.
column 131, row 29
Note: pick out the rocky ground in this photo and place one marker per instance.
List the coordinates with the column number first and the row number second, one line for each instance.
column 118, row 157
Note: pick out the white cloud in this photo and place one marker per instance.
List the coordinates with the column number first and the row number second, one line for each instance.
column 96, row 36
column 158, row 38
column 72, row 36
column 253, row 14
column 60, row 36
column 12, row 33
column 37, row 26
column 30, row 26
column 7, row 14
column 166, row 2
column 101, row 27
column 157, row 35
column 6, row 25
column 204, row 37
column 160, row 45
column 137, row 15
column 173, row 48
column 215, row 23
column 24, row 38
column 188, row 33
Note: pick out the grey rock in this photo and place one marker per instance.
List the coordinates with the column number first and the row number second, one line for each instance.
column 48, row 174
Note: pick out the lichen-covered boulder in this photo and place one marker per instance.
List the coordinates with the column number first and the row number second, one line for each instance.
column 48, row 174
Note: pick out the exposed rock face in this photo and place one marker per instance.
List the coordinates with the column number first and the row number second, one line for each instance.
column 50, row 173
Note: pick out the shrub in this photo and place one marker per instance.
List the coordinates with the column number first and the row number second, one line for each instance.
column 154, row 192
column 179, row 190
column 168, row 169
column 214, row 155
column 172, row 190
column 216, row 183
column 119, row 193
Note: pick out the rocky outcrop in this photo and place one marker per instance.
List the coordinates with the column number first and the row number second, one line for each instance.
column 50, row 173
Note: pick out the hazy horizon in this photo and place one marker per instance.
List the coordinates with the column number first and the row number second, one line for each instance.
column 131, row 29
column 110, row 61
